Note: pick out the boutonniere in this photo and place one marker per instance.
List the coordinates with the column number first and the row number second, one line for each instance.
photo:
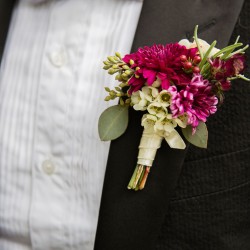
column 175, row 85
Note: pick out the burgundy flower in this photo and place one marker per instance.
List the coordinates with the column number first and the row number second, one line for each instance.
column 221, row 70
column 159, row 61
column 239, row 63
column 225, row 85
column 196, row 100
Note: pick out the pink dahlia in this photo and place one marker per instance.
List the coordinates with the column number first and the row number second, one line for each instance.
column 196, row 100
column 159, row 61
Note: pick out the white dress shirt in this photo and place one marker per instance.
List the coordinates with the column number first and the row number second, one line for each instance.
column 52, row 163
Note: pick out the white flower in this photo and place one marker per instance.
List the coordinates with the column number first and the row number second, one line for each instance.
column 163, row 128
column 148, row 120
column 150, row 93
column 185, row 42
column 165, row 125
column 157, row 109
column 141, row 98
column 138, row 101
column 181, row 120
column 203, row 45
column 164, row 98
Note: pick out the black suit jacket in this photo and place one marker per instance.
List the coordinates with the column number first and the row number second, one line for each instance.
column 157, row 217
column 193, row 212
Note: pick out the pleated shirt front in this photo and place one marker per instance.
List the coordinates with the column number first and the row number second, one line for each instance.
column 52, row 162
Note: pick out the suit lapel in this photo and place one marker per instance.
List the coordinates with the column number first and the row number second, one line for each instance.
column 166, row 21
column 132, row 220
column 5, row 15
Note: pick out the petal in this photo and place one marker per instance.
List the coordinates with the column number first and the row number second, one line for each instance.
column 185, row 42
column 150, row 75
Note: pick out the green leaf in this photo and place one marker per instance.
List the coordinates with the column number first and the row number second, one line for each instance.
column 228, row 48
column 199, row 139
column 113, row 122
column 203, row 61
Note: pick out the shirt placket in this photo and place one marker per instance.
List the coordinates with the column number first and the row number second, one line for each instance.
column 50, row 173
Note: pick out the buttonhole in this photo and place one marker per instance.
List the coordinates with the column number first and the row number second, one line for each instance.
column 241, row 24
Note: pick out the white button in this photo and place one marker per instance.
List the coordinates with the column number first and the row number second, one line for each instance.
column 58, row 58
column 48, row 167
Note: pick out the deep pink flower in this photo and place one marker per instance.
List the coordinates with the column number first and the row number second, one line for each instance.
column 159, row 61
column 196, row 100
column 136, row 84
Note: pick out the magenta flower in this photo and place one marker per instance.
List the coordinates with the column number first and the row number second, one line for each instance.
column 159, row 61
column 196, row 100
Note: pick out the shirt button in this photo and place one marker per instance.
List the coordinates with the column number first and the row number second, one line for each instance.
column 48, row 167
column 58, row 58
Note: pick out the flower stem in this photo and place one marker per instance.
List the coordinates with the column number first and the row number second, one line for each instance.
column 144, row 178
column 139, row 177
column 132, row 180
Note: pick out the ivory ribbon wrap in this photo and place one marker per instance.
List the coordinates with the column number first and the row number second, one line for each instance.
column 150, row 142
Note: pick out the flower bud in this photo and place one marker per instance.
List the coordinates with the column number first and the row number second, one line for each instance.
column 112, row 59
column 128, row 72
column 118, row 55
column 125, row 67
column 196, row 69
column 183, row 58
column 113, row 71
column 197, row 59
column 107, row 98
column 115, row 66
column 106, row 62
column 187, row 65
column 131, row 62
column 118, row 77
column 106, row 67
column 112, row 93
column 124, row 76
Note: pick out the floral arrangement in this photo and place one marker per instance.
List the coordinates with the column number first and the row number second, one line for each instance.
column 175, row 85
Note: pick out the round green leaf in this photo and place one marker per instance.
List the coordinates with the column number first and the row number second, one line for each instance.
column 199, row 139
column 113, row 122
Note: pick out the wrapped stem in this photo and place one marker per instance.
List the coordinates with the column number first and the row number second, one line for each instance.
column 150, row 142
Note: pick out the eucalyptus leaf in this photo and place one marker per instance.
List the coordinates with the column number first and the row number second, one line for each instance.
column 113, row 122
column 199, row 139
